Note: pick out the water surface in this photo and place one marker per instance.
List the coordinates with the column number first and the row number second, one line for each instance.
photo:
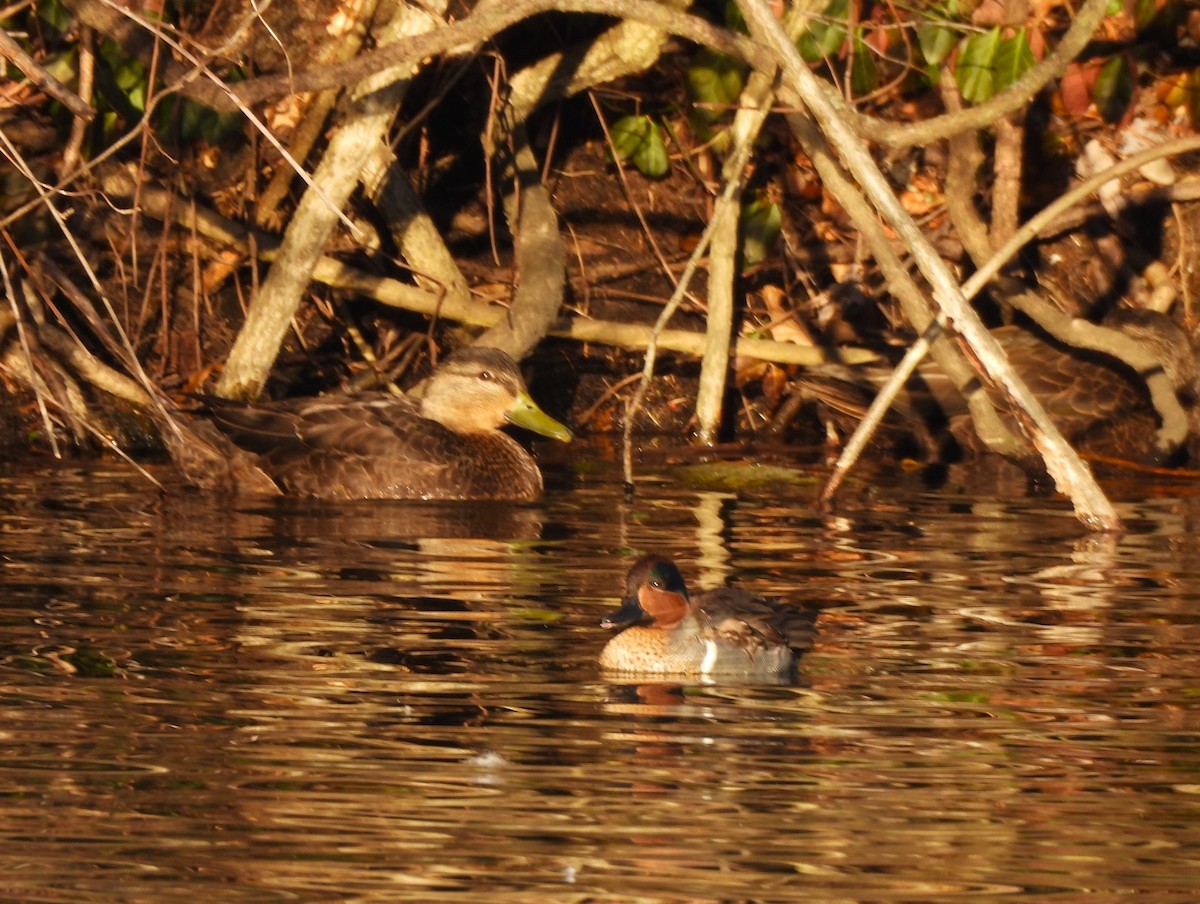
column 396, row 702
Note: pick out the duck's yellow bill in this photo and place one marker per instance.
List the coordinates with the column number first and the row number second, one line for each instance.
column 525, row 413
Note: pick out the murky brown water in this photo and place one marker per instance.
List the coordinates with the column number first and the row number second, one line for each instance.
column 400, row 703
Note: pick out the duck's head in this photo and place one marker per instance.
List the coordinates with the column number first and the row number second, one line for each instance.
column 477, row 390
column 655, row 595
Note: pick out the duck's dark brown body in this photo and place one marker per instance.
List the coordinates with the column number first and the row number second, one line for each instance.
column 376, row 447
column 1100, row 405
column 445, row 445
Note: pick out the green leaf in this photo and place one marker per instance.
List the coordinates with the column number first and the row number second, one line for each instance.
column 1153, row 20
column 54, row 14
column 864, row 74
column 129, row 74
column 715, row 78
column 651, row 157
column 939, row 31
column 1013, row 57
column 734, row 20
column 640, row 141
column 216, row 127
column 63, row 66
column 190, row 120
column 628, row 134
column 976, row 73
column 1192, row 86
column 715, row 82
column 762, row 221
column 936, row 42
column 826, row 35
column 1114, row 88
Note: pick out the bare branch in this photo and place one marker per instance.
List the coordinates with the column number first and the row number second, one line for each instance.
column 1062, row 463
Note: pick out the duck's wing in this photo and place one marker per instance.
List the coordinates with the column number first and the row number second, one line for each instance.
column 208, row 459
column 1075, row 386
column 368, row 446
column 753, row 620
column 319, row 421
column 1099, row 405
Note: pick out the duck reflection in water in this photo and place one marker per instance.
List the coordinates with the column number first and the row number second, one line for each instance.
column 727, row 633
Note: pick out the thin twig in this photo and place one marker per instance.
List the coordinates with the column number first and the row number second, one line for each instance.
column 24, row 337
column 870, row 421
column 43, row 80
column 1046, row 216
column 739, row 158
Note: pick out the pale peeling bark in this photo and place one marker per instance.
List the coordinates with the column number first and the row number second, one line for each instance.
column 624, row 49
column 412, row 228
column 541, row 258
column 320, row 209
column 722, row 275
column 316, row 109
column 754, row 105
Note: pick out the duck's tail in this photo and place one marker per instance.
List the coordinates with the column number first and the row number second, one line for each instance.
column 206, row 458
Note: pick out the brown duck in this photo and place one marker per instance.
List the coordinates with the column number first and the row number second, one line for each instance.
column 1100, row 405
column 447, row 444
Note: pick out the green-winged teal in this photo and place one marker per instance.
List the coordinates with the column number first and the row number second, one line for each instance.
column 726, row 632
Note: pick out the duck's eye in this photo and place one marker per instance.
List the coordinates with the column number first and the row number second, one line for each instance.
column 486, row 376
column 657, row 585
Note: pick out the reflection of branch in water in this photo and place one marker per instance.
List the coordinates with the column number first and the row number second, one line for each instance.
column 712, row 537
